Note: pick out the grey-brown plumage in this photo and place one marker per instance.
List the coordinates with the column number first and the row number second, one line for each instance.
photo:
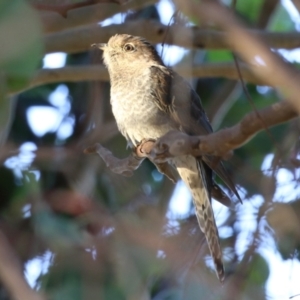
column 149, row 99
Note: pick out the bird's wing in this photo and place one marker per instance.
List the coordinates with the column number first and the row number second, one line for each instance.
column 171, row 93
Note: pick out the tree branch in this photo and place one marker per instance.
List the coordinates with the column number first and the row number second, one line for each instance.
column 297, row 4
column 99, row 72
column 263, row 62
column 92, row 14
column 219, row 143
column 119, row 166
column 80, row 39
column 267, row 10
column 63, row 9
column 11, row 274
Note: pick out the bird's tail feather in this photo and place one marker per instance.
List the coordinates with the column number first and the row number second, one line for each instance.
column 192, row 173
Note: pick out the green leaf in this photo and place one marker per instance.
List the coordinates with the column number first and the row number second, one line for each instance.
column 281, row 21
column 219, row 56
column 249, row 9
column 21, row 47
column 259, row 270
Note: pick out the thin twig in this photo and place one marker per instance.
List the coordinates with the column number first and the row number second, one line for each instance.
column 167, row 31
column 120, row 166
column 249, row 98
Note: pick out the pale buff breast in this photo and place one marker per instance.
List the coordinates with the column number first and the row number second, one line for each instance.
column 136, row 113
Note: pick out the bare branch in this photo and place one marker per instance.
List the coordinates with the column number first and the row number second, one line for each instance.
column 7, row 108
column 92, row 14
column 120, row 166
column 11, row 274
column 63, row 9
column 80, row 39
column 99, row 72
column 263, row 62
column 132, row 162
column 222, row 142
column 267, row 10
column 219, row 144
column 297, row 4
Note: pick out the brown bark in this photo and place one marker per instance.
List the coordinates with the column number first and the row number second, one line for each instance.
column 219, row 143
column 80, row 39
column 99, row 72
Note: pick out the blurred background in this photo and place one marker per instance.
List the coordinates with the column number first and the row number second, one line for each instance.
column 73, row 228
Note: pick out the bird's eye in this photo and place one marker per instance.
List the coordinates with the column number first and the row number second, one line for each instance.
column 128, row 48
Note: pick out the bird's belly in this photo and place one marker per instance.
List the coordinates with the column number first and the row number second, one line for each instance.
column 139, row 119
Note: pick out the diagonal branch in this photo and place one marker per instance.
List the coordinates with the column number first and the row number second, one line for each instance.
column 219, row 144
column 263, row 62
column 11, row 274
column 297, row 4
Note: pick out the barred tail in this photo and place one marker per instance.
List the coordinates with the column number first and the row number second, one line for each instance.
column 192, row 173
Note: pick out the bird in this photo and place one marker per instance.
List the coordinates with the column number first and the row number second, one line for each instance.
column 148, row 100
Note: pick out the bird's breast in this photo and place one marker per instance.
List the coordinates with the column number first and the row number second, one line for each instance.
column 136, row 113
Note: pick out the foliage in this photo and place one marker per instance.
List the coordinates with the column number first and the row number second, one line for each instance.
column 103, row 236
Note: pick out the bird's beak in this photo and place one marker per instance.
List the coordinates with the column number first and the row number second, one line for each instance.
column 99, row 46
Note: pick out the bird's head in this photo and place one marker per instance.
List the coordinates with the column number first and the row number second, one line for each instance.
column 124, row 51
